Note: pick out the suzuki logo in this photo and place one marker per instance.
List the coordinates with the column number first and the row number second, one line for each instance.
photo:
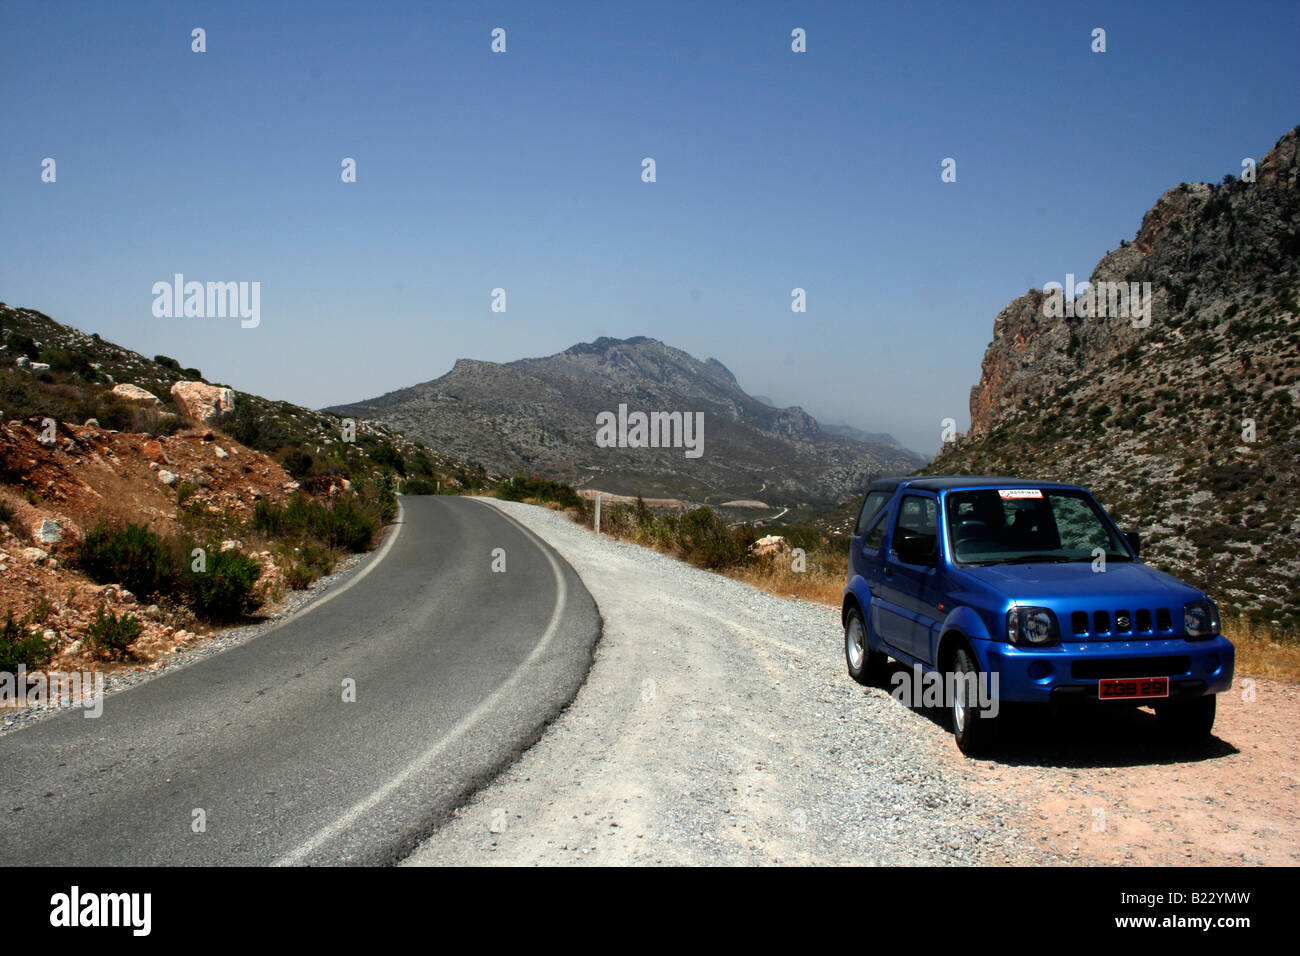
column 1122, row 621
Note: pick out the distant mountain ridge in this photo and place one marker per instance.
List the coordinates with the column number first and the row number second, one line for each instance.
column 539, row 415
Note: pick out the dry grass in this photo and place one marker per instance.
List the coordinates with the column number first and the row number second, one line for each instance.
column 822, row 582
column 1263, row 652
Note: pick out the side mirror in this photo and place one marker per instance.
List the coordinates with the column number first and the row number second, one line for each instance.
column 916, row 549
column 1134, row 542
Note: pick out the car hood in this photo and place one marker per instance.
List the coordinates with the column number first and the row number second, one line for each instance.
column 1025, row 583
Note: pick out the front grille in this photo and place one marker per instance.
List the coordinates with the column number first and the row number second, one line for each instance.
column 1131, row 667
column 1121, row 623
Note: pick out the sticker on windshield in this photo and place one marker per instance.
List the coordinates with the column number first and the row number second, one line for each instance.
column 1019, row 493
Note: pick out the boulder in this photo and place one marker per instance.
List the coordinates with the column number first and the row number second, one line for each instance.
column 204, row 404
column 134, row 393
column 48, row 531
column 772, row 544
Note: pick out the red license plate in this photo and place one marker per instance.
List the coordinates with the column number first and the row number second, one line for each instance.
column 1129, row 688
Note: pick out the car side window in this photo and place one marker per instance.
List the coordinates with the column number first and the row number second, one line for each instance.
column 916, row 516
column 871, row 506
column 877, row 536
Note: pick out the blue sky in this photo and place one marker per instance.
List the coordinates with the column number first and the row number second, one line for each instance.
column 523, row 171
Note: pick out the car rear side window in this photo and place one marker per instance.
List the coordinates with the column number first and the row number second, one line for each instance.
column 875, row 500
column 917, row 516
column 877, row 536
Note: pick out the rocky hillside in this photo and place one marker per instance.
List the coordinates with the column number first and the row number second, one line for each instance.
column 48, row 368
column 1186, row 426
column 539, row 415
column 115, row 468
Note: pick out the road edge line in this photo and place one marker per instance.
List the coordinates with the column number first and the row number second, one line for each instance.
column 341, row 823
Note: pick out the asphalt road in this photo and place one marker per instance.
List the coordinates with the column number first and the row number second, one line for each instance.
column 457, row 669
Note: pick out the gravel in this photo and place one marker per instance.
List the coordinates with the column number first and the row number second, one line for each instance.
column 718, row 725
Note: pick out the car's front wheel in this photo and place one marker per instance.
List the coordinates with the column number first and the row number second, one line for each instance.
column 972, row 728
column 1186, row 721
column 865, row 665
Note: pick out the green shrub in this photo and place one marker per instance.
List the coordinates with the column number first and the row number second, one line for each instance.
column 419, row 486
column 132, row 556
column 386, row 455
column 224, row 591
column 110, row 636
column 21, row 644
column 57, row 359
column 257, row 431
column 346, row 522
column 345, row 525
column 706, row 541
column 22, row 345
column 297, row 463
column 522, row 487
column 307, row 564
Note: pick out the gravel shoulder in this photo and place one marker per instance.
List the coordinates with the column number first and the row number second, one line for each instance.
column 717, row 726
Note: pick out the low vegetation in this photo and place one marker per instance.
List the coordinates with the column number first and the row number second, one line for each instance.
column 22, row 644
column 110, row 636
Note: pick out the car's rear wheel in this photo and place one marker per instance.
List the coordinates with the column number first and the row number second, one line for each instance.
column 1186, row 721
column 973, row 729
column 865, row 665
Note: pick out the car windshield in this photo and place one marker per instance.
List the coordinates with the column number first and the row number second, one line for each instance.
column 1028, row 525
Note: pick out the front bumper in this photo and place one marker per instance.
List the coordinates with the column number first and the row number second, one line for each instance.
column 1071, row 671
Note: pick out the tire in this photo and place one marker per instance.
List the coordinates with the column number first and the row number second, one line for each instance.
column 975, row 732
column 1186, row 722
column 865, row 665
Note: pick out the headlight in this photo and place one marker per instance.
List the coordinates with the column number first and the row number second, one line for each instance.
column 1200, row 619
column 1035, row 626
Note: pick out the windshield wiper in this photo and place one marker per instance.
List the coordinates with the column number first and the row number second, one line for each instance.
column 1028, row 559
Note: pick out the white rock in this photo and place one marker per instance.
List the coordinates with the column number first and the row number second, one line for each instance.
column 48, row 531
column 166, row 477
column 134, row 393
column 204, row 404
column 34, row 555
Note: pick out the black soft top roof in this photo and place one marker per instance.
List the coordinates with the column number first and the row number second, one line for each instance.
column 949, row 482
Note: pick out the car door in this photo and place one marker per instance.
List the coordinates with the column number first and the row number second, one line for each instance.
column 908, row 586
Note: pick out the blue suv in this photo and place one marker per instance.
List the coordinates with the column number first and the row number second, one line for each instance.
column 997, row 590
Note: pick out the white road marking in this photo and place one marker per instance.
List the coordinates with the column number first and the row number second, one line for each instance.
column 421, row 763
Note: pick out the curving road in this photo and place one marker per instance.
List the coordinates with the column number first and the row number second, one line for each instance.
column 457, row 669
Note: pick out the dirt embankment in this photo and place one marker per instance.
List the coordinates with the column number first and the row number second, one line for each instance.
column 58, row 481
